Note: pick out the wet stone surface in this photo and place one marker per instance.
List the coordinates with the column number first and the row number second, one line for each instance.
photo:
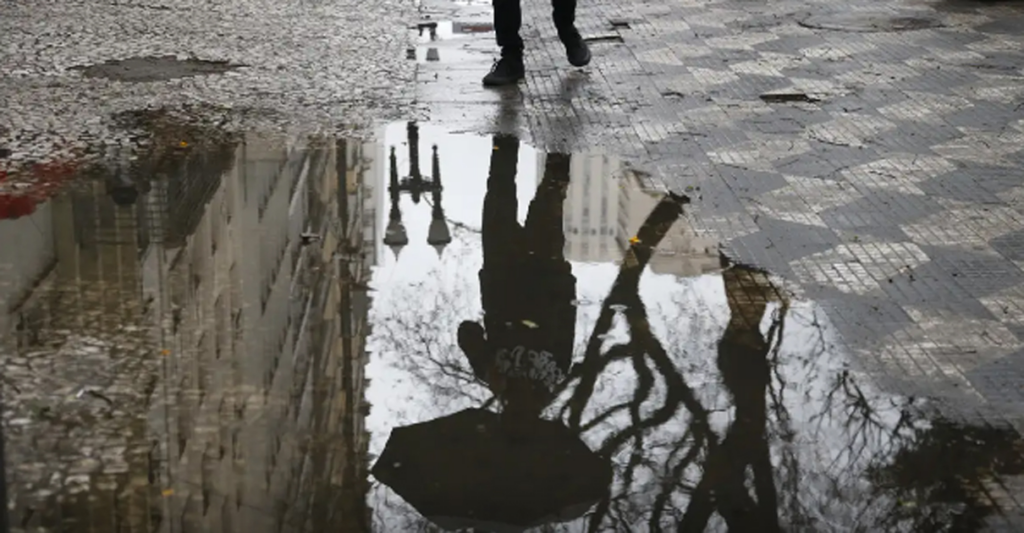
column 328, row 65
column 229, row 332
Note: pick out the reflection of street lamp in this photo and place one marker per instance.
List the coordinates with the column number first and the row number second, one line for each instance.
column 395, row 236
column 438, row 235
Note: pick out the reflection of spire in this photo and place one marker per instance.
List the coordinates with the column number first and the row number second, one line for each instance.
column 438, row 235
column 395, row 236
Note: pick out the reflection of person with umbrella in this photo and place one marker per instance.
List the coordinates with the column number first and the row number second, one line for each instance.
column 523, row 351
column 743, row 457
column 508, row 472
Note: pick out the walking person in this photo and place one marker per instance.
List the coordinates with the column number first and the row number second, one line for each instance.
column 508, row 18
column 523, row 349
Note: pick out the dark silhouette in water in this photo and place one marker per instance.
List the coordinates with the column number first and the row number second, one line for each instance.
column 523, row 350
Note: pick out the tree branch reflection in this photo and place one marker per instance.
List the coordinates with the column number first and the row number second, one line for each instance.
column 802, row 433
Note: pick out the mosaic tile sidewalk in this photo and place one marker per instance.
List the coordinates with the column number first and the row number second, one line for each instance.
column 867, row 153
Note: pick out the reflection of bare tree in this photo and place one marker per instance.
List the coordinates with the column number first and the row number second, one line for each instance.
column 418, row 324
column 678, row 468
column 939, row 480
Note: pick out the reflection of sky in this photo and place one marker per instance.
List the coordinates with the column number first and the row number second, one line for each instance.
column 419, row 273
column 420, row 300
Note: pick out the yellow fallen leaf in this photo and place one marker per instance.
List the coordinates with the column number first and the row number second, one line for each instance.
column 165, row 352
column 634, row 240
column 183, row 144
column 168, row 492
column 530, row 324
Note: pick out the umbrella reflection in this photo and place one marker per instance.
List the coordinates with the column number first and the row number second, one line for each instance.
column 467, row 471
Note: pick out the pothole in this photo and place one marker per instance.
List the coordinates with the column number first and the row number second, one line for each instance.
column 148, row 69
column 869, row 22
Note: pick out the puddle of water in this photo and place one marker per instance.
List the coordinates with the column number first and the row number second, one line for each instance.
column 871, row 22
column 456, row 43
column 226, row 333
column 446, row 30
column 462, row 57
column 148, row 69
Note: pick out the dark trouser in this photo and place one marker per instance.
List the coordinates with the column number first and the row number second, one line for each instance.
column 508, row 17
column 542, row 235
column 525, row 274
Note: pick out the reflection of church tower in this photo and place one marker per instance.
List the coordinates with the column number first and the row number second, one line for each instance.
column 438, row 235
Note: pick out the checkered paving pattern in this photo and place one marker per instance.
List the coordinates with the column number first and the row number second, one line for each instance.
column 893, row 193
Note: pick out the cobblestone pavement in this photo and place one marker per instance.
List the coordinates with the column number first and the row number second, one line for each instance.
column 320, row 65
column 867, row 153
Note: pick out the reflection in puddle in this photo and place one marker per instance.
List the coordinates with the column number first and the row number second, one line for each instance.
column 453, row 42
column 187, row 346
column 183, row 339
column 720, row 403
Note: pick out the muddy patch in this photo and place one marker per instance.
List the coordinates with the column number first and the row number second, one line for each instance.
column 869, row 22
column 150, row 69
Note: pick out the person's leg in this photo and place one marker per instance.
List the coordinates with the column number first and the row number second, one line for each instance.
column 564, row 15
column 545, row 235
column 508, row 18
column 502, row 238
column 554, row 285
column 501, row 232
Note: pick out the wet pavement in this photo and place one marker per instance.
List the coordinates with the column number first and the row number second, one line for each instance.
column 223, row 333
column 206, row 328
column 325, row 65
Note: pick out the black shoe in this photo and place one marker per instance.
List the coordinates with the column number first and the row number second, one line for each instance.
column 576, row 50
column 506, row 71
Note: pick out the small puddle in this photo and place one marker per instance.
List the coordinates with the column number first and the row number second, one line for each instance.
column 218, row 329
column 452, row 42
column 871, row 22
column 149, row 69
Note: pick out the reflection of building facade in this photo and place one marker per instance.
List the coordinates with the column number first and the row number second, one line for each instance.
column 223, row 318
column 606, row 205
